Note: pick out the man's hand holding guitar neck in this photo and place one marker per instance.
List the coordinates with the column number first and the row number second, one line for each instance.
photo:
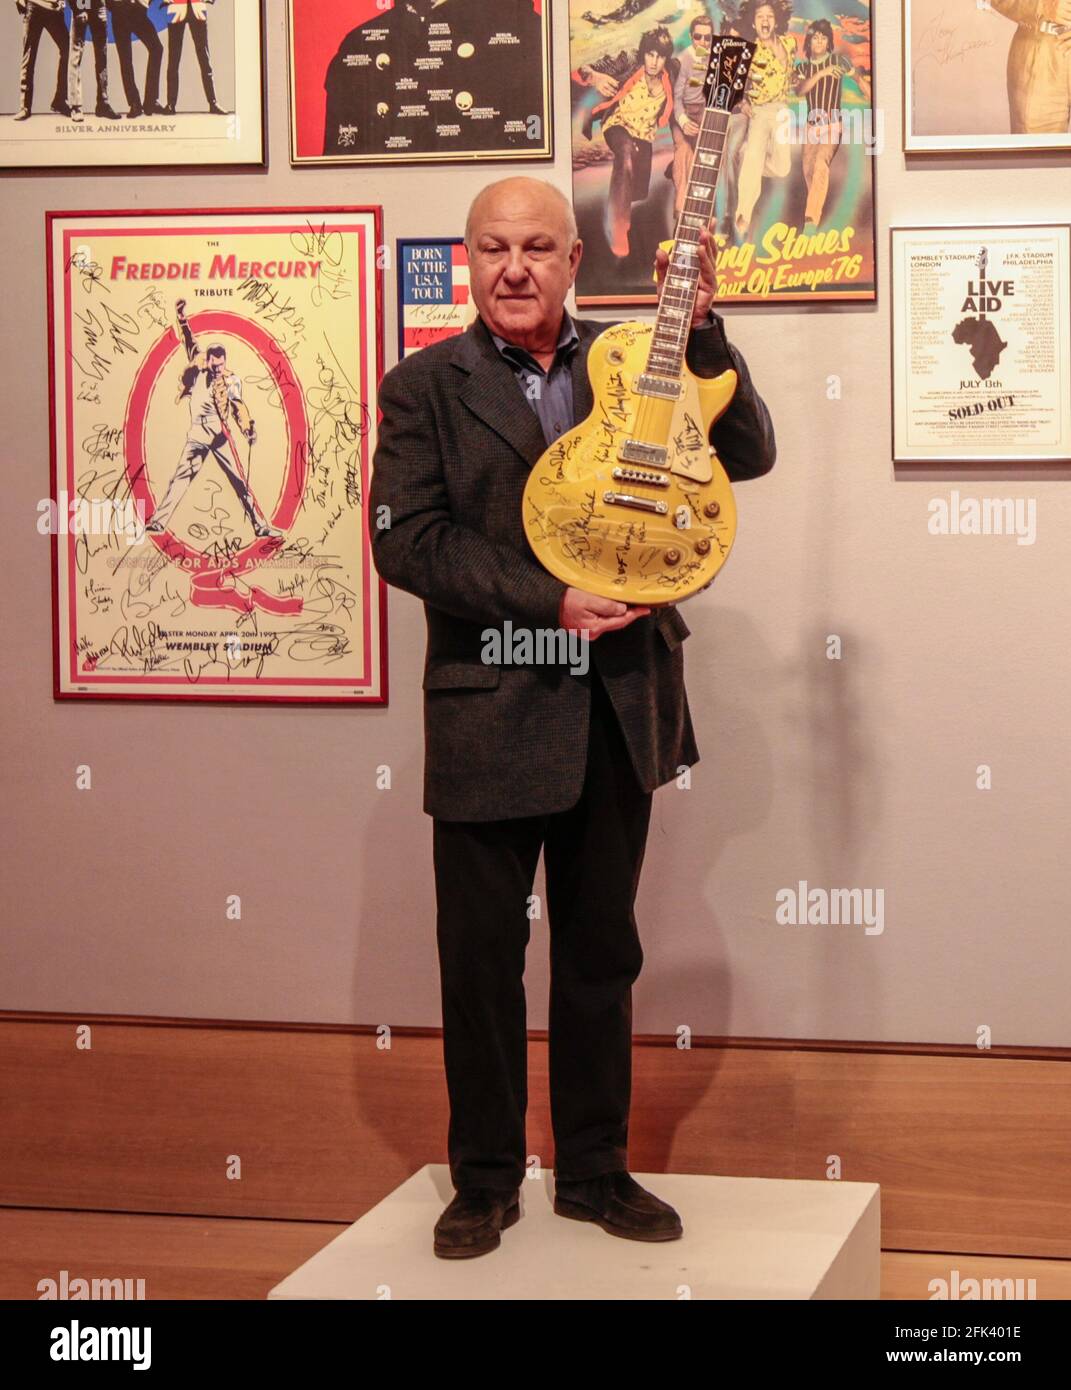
column 588, row 612
column 707, row 289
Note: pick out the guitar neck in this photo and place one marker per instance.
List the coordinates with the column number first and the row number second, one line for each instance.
column 675, row 308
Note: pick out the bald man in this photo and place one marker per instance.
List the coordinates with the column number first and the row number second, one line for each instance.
column 524, row 758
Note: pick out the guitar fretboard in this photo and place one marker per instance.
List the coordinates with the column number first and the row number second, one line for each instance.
column 677, row 304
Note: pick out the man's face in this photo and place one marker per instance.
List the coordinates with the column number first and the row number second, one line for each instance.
column 653, row 62
column 521, row 263
column 703, row 36
column 216, row 364
column 819, row 44
column 765, row 22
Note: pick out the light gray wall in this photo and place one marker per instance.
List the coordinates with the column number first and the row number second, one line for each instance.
column 858, row 773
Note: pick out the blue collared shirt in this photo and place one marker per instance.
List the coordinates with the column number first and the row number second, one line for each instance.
column 550, row 394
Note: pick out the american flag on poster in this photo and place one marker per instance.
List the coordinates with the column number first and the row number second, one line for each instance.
column 433, row 292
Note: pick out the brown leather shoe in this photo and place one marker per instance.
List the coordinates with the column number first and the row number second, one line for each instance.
column 617, row 1203
column 473, row 1222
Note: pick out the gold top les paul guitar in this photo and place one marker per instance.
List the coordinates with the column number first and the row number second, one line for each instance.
column 634, row 504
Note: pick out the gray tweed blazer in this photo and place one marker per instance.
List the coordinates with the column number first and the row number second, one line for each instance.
column 457, row 441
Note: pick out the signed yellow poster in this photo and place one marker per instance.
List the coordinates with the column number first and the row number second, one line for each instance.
column 213, row 383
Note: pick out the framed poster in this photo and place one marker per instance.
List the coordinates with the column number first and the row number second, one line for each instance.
column 131, row 82
column 983, row 75
column 981, row 343
column 212, row 379
column 402, row 81
column 433, row 292
column 794, row 214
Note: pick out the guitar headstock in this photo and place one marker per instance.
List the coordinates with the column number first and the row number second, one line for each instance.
column 981, row 262
column 727, row 72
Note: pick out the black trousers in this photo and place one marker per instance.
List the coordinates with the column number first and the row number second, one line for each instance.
column 36, row 22
column 484, row 871
column 630, row 179
column 130, row 21
column 199, row 33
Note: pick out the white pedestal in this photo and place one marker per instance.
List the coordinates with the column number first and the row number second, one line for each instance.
column 743, row 1238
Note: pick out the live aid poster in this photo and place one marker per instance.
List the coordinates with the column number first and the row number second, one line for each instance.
column 213, row 383
column 794, row 218
column 373, row 81
column 981, row 343
column 131, row 82
column 433, row 292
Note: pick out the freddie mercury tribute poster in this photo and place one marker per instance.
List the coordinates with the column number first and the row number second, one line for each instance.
column 981, row 343
column 794, row 216
column 401, row 81
column 213, row 380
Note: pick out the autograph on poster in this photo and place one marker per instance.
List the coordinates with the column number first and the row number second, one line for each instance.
column 213, row 386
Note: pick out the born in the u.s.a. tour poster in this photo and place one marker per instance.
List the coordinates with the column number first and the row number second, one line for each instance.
column 213, row 380
column 433, row 292
column 130, row 82
column 397, row 81
column 794, row 217
column 981, row 343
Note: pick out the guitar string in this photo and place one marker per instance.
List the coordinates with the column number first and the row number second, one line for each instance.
column 675, row 353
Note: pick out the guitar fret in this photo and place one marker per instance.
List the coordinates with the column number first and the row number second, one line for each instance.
column 727, row 72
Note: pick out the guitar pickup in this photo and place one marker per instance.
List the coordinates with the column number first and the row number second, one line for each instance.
column 648, row 385
column 653, row 455
column 641, row 504
column 640, row 475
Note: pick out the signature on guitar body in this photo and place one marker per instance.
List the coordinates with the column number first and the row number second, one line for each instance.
column 633, row 503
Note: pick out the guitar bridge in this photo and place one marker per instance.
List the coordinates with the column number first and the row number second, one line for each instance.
column 640, row 475
column 641, row 504
column 653, row 455
column 648, row 385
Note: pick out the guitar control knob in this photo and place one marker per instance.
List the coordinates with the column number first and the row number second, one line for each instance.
column 712, row 509
column 672, row 556
column 702, row 546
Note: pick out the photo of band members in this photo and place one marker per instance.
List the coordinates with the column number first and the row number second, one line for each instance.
column 419, row 80
column 87, row 79
column 794, row 213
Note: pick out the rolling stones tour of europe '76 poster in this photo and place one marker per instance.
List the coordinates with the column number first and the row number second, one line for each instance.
column 794, row 212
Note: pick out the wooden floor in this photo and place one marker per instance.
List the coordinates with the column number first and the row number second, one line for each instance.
column 223, row 1258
